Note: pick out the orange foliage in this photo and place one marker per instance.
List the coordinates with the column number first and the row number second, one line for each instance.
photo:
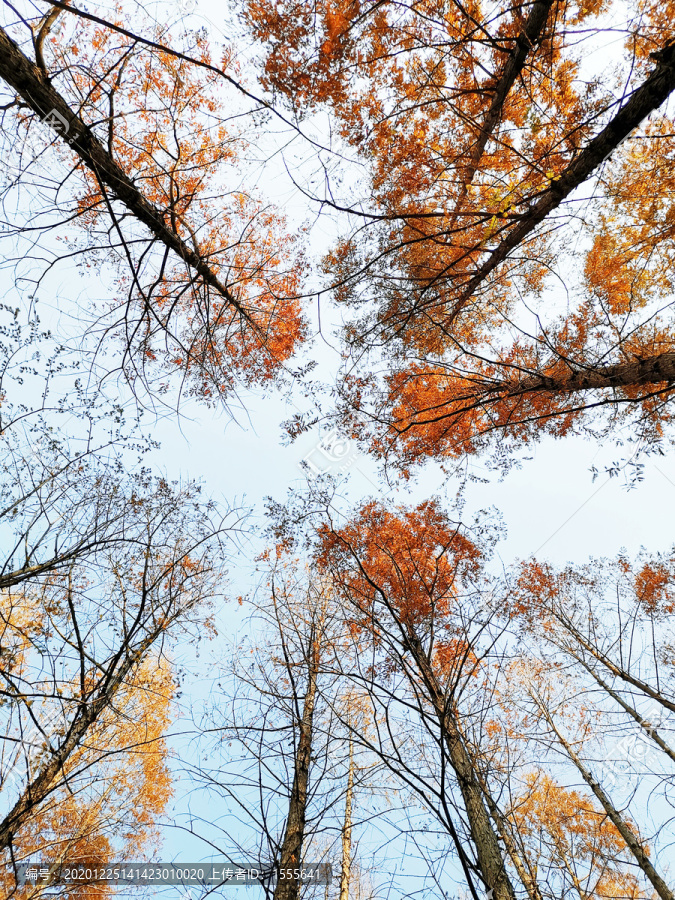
column 409, row 85
column 165, row 126
column 452, row 655
column 655, row 587
column 577, row 844
column 457, row 160
column 648, row 587
column 118, row 784
column 415, row 561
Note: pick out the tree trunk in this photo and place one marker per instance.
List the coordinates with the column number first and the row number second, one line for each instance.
column 488, row 852
column 647, row 727
column 632, row 842
column 644, row 100
column 619, row 672
column 652, row 370
column 520, row 861
column 290, row 856
column 529, row 36
column 347, row 828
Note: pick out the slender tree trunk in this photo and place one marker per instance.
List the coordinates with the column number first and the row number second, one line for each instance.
column 345, row 874
column 489, row 856
column 482, row 392
column 631, row 840
column 520, row 861
column 646, row 726
column 646, row 689
column 290, row 856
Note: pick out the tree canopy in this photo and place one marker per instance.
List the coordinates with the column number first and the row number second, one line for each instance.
column 443, row 232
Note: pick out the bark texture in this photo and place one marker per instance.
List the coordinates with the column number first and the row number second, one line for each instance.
column 653, row 370
column 345, row 874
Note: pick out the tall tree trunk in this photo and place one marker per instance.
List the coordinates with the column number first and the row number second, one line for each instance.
column 290, row 856
column 488, row 852
column 479, row 391
column 618, row 671
column 345, row 874
column 647, row 727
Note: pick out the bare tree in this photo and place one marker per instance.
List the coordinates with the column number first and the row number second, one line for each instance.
column 280, row 739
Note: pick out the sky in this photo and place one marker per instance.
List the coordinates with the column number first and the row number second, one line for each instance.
column 551, row 506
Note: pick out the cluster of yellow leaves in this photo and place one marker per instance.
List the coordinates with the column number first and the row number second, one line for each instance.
column 563, row 832
column 632, row 257
column 110, row 809
column 656, row 19
column 22, row 618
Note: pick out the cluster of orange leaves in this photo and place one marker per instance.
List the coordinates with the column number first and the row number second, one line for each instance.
column 415, row 561
column 169, row 133
column 648, row 585
column 410, row 85
column 413, row 110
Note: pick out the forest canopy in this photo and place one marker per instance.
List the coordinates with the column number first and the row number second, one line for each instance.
column 432, row 236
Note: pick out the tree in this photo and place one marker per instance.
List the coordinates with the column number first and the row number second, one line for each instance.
column 596, row 628
column 481, row 688
column 77, row 635
column 116, row 785
column 279, row 781
column 103, row 566
column 497, row 162
column 571, row 844
column 482, row 130
column 346, row 861
column 409, row 580
column 143, row 145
